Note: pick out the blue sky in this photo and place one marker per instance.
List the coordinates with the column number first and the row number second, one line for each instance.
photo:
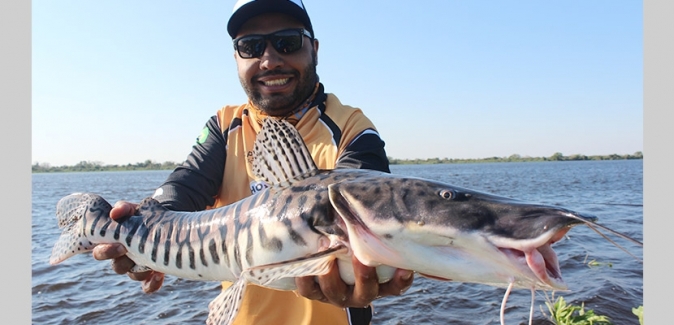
column 123, row 81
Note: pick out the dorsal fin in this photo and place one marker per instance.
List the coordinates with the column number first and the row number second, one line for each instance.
column 280, row 156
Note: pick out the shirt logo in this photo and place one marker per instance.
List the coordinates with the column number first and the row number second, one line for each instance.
column 203, row 136
column 258, row 186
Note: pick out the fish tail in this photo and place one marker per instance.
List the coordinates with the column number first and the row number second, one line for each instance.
column 70, row 212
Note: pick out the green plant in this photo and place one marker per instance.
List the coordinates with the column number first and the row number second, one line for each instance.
column 594, row 263
column 562, row 313
column 639, row 311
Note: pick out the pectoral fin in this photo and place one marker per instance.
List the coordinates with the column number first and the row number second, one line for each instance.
column 223, row 309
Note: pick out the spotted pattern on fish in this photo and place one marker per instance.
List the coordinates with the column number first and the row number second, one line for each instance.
column 283, row 168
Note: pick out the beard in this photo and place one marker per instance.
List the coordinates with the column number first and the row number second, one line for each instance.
column 280, row 104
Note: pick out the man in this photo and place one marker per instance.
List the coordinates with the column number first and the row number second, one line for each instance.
column 276, row 56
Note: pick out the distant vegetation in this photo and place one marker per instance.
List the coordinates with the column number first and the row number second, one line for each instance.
column 89, row 166
column 513, row 158
column 94, row 166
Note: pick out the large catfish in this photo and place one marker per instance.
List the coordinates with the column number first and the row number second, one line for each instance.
column 309, row 218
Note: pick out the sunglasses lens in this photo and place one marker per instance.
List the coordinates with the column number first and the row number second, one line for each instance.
column 286, row 42
column 251, row 47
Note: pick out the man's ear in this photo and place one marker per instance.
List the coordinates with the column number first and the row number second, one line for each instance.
column 315, row 51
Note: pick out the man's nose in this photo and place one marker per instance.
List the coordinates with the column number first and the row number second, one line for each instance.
column 270, row 58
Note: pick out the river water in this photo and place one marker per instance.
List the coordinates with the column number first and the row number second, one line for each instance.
column 84, row 291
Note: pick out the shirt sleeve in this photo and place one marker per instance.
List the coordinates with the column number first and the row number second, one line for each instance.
column 194, row 185
column 366, row 151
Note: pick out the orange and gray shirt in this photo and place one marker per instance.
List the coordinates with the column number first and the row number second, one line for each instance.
column 338, row 136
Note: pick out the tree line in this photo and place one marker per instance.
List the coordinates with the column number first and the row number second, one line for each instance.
column 92, row 166
column 558, row 156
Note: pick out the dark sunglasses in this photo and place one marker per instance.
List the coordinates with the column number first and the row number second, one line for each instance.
column 284, row 41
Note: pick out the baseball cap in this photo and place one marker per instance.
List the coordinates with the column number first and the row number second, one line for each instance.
column 246, row 9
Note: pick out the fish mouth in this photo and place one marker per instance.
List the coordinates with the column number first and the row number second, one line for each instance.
column 536, row 255
column 540, row 260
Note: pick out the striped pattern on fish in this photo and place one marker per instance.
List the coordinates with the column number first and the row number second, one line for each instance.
column 213, row 245
column 309, row 218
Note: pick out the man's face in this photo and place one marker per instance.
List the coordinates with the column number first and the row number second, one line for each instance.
column 277, row 83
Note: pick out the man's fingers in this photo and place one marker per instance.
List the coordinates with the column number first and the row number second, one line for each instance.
column 366, row 287
column 122, row 265
column 333, row 287
column 153, row 282
column 308, row 288
column 123, row 209
column 117, row 253
column 108, row 251
column 401, row 282
column 140, row 276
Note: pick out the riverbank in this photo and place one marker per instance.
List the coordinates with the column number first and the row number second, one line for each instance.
column 88, row 166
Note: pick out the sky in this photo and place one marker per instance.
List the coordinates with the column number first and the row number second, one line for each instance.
column 119, row 82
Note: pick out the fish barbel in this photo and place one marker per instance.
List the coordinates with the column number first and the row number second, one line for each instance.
column 309, row 218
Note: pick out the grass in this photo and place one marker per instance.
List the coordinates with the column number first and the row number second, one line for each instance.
column 595, row 263
column 639, row 312
column 562, row 313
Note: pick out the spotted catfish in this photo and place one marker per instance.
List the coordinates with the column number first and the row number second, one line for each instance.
column 309, row 218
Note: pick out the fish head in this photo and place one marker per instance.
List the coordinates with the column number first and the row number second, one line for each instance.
column 448, row 232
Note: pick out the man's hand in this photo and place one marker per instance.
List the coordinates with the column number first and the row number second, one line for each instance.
column 151, row 281
column 331, row 288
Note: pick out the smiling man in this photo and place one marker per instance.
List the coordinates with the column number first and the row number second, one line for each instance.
column 276, row 54
column 276, row 82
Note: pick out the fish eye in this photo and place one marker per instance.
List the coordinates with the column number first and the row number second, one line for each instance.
column 446, row 194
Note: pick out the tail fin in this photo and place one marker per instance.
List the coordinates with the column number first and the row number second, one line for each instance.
column 69, row 211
